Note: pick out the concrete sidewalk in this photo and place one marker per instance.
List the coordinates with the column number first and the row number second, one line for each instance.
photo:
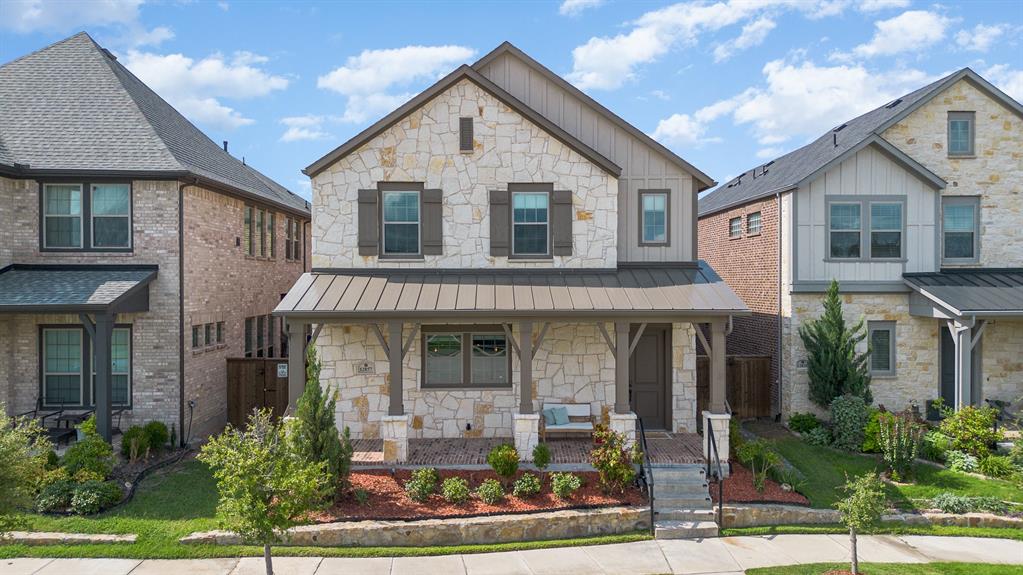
column 721, row 556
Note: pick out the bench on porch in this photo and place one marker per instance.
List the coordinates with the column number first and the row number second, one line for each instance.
column 580, row 420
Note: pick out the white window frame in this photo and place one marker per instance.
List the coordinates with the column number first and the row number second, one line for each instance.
column 749, row 224
column 418, row 223
column 93, row 217
column 974, row 202
column 546, row 225
column 80, row 216
column 735, row 231
column 870, row 229
column 890, row 327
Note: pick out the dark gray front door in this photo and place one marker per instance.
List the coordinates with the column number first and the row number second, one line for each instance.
column 649, row 376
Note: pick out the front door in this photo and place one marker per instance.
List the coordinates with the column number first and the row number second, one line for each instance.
column 649, row 376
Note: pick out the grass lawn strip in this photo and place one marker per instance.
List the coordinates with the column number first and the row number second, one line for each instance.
column 884, row 529
column 894, row 569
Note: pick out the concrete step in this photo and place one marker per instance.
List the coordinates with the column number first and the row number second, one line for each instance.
column 685, row 514
column 680, row 489
column 679, row 478
column 685, row 529
column 681, row 502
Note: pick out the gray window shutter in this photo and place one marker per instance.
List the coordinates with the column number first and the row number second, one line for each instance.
column 500, row 222
column 369, row 223
column 561, row 220
column 465, row 134
column 433, row 238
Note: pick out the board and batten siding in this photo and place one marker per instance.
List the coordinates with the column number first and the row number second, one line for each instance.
column 643, row 168
column 869, row 172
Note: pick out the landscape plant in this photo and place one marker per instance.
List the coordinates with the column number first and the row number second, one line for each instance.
column 997, row 466
column 900, row 436
column 935, row 445
column 960, row 461
column 872, row 432
column 819, row 436
column 803, row 422
column 134, row 443
column 541, row 458
column 861, row 509
column 760, row 458
column 834, row 366
column 971, row 429
column 490, row 491
column 157, row 436
column 93, row 495
column 526, row 486
column 614, row 461
column 265, row 485
column 315, row 432
column 23, row 449
column 565, row 484
column 959, row 504
column 849, row 416
column 504, row 460
column 422, row 484
column 91, row 452
column 455, row 490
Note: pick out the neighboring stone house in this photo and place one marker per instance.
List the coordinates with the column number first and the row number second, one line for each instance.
column 126, row 233
column 915, row 208
column 499, row 243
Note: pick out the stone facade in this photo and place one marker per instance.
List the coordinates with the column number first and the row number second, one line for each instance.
column 1002, row 361
column 423, row 147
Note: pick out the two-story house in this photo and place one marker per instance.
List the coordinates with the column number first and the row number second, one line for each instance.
column 915, row 209
column 499, row 243
column 136, row 255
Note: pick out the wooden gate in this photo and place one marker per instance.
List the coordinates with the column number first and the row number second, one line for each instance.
column 747, row 383
column 252, row 383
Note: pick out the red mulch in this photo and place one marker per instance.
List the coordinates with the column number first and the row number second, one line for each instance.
column 739, row 489
column 387, row 499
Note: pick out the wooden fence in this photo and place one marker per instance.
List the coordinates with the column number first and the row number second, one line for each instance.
column 252, row 383
column 747, row 381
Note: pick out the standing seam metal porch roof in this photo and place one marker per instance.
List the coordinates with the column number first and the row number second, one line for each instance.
column 972, row 292
column 655, row 292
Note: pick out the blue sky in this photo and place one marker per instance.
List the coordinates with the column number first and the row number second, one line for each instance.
column 725, row 84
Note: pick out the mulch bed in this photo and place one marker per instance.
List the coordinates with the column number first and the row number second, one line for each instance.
column 739, row 489
column 387, row 499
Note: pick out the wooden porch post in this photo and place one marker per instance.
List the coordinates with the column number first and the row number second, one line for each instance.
column 622, row 367
column 103, row 334
column 717, row 366
column 395, row 404
column 526, row 366
column 296, row 362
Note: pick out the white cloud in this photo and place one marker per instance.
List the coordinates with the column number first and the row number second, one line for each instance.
column 682, row 130
column 878, row 5
column 27, row 16
column 194, row 87
column 1007, row 79
column 911, row 31
column 301, row 128
column 574, row 7
column 367, row 78
column 980, row 38
column 753, row 34
column 660, row 95
column 768, row 153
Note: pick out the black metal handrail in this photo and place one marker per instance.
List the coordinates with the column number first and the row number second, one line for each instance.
column 720, row 473
column 646, row 472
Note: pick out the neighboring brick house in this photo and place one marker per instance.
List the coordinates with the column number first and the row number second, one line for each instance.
column 915, row 209
column 126, row 232
column 499, row 243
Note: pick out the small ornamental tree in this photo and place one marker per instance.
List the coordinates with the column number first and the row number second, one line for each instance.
column 834, row 366
column 314, row 431
column 23, row 451
column 862, row 509
column 265, row 486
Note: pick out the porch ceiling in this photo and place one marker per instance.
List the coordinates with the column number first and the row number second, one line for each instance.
column 665, row 293
column 979, row 292
column 74, row 289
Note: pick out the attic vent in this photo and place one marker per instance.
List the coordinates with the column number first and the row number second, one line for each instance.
column 109, row 54
column 465, row 134
column 735, row 182
column 762, row 170
column 893, row 103
column 839, row 128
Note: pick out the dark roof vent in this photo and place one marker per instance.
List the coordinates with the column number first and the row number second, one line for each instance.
column 225, row 145
column 736, row 181
column 893, row 103
column 839, row 128
column 109, row 54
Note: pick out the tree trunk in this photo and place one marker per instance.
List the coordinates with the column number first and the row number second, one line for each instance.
column 852, row 541
column 268, row 559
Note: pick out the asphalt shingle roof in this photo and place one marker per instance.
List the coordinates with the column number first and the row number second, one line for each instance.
column 69, row 290
column 73, row 106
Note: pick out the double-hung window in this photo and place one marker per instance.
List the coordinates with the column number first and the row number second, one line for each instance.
column 885, row 230
column 401, row 223
column 260, row 235
column 86, row 216
column 753, row 224
column 845, row 230
column 67, row 356
column 120, row 367
column 531, row 224
column 882, row 347
column 961, row 132
column 735, row 228
column 292, row 239
column 111, row 215
column 474, row 358
column 960, row 223
column 62, row 216
column 653, row 218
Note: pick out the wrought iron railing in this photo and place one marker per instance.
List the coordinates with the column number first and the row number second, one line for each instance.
column 713, row 452
column 646, row 472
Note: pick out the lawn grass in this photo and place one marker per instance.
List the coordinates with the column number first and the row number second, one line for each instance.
column 895, row 569
column 825, row 470
column 182, row 499
column 884, row 529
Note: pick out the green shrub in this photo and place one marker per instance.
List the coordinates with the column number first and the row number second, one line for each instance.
column 900, row 437
column 52, row 460
column 848, row 420
column 134, row 443
column 1016, row 453
column 51, row 476
column 735, row 438
column 361, row 496
column 455, row 490
column 872, row 432
column 526, row 486
column 989, row 504
column 834, row 365
column 541, row 457
column 85, row 475
column 422, row 485
column 960, row 461
column 93, row 496
column 490, row 491
column 613, row 461
column 951, row 503
column 565, row 484
column 90, row 453
column 761, row 459
column 820, row 436
column 56, row 496
column 971, row 429
column 504, row 460
column 935, row 445
column 157, row 436
column 803, row 422
column 997, row 466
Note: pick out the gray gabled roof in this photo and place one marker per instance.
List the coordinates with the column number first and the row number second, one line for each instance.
column 507, row 47
column 73, row 108
column 462, row 73
column 978, row 292
column 789, row 171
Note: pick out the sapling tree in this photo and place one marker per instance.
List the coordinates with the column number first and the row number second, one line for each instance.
column 834, row 366
column 265, row 486
column 862, row 508
column 23, row 451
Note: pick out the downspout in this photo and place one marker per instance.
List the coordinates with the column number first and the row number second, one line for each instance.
column 181, row 313
column 778, row 382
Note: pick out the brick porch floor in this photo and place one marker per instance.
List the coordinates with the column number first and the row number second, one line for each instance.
column 665, row 449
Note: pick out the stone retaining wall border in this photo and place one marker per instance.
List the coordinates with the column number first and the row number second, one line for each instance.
column 734, row 516
column 56, row 538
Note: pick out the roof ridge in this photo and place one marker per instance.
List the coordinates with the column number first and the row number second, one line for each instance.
column 47, row 47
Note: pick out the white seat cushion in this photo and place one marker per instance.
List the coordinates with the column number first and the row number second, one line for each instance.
column 573, row 409
column 572, row 426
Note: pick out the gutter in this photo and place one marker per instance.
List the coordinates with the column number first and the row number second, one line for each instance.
column 181, row 313
column 778, row 382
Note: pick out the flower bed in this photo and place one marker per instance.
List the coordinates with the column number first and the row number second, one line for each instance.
column 387, row 498
column 739, row 488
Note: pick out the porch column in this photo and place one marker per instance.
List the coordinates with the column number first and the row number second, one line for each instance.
column 716, row 417
column 395, row 405
column 526, row 366
column 296, row 362
column 102, row 334
column 717, row 367
column 622, row 367
column 394, row 427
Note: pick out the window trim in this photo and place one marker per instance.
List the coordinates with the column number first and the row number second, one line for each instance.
column 864, row 202
column 971, row 117
column 871, row 230
column 760, row 224
column 667, row 217
column 891, row 328
column 87, row 383
column 85, row 232
column 738, row 235
column 960, row 200
column 92, row 218
column 383, row 187
column 465, row 333
column 530, row 189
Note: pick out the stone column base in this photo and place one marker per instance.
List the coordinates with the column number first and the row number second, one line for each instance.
column 526, row 431
column 719, row 422
column 394, row 432
column 625, row 424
